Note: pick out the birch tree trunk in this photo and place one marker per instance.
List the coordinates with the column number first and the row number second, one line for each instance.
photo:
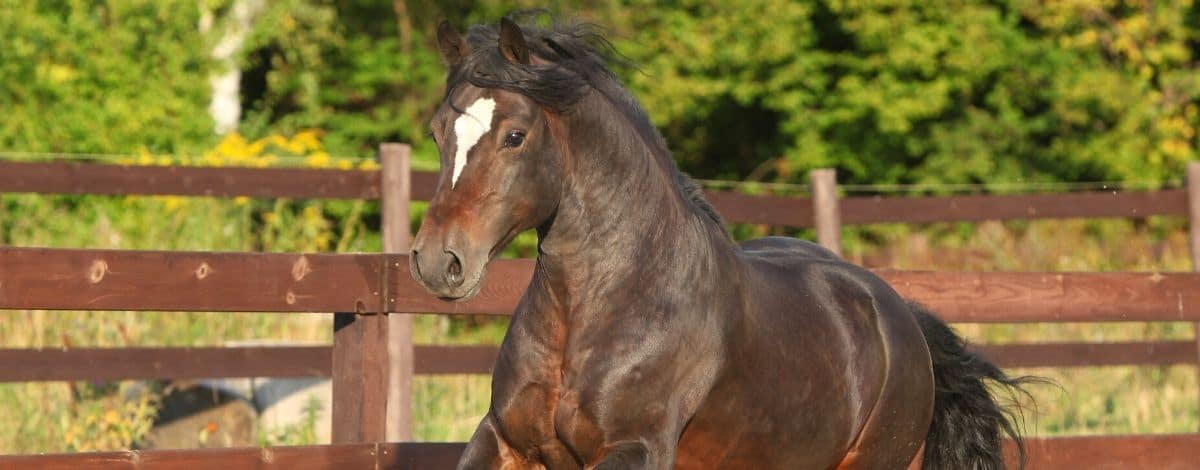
column 226, row 105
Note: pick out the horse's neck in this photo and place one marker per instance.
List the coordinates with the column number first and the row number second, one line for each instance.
column 622, row 217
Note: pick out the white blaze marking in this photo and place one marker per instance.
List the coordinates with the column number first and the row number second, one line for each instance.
column 474, row 122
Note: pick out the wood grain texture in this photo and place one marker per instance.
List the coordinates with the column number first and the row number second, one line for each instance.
column 762, row 209
column 825, row 209
column 419, row 456
column 34, row 365
column 360, row 378
column 1093, row 204
column 237, row 457
column 389, row 456
column 93, row 178
column 1018, row 297
column 68, row 279
column 1138, row 452
column 315, row 457
column 396, row 189
column 122, row 460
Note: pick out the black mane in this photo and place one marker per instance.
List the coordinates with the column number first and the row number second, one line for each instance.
column 578, row 57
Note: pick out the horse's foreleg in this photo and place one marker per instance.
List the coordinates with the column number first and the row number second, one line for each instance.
column 637, row 455
column 487, row 451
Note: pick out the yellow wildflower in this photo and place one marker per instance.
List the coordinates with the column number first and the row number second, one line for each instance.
column 307, row 140
column 232, row 144
column 318, row 160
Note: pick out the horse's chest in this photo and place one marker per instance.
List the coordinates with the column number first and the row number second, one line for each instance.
column 550, row 422
column 550, row 427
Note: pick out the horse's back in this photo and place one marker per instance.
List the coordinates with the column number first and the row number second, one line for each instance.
column 846, row 344
column 786, row 247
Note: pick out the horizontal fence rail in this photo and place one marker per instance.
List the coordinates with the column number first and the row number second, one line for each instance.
column 90, row 178
column 54, row 279
column 71, row 364
column 20, row 365
column 391, row 456
column 1149, row 452
column 71, row 279
column 1161, row 452
column 93, row 178
column 1092, row 204
column 989, row 297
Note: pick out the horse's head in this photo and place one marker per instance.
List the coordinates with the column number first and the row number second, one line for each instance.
column 500, row 172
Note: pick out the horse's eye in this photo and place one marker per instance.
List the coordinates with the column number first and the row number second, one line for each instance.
column 514, row 139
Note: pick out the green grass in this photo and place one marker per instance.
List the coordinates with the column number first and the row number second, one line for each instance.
column 54, row 417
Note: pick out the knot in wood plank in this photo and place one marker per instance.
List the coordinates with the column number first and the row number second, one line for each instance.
column 301, row 268
column 203, row 270
column 97, row 271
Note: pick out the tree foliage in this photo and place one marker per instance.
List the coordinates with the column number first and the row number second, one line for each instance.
column 79, row 76
column 909, row 91
column 887, row 91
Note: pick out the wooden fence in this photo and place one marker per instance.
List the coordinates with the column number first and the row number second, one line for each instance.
column 373, row 356
column 1174, row 452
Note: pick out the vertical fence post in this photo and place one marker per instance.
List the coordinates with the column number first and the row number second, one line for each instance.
column 359, row 378
column 361, row 351
column 395, row 194
column 1193, row 192
column 825, row 209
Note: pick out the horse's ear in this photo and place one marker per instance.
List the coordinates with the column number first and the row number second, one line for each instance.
column 512, row 42
column 452, row 45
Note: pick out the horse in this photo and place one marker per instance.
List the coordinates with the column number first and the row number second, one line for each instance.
column 647, row 337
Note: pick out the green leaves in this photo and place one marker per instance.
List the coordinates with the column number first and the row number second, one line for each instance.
column 908, row 91
column 84, row 77
column 895, row 91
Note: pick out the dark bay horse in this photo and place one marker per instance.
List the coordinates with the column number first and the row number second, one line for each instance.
column 647, row 337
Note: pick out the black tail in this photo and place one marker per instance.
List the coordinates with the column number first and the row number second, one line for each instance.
column 967, row 419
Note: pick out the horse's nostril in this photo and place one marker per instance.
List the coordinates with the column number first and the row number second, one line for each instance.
column 414, row 263
column 454, row 275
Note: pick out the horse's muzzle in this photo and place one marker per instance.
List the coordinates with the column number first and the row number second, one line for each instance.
column 438, row 270
column 447, row 267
